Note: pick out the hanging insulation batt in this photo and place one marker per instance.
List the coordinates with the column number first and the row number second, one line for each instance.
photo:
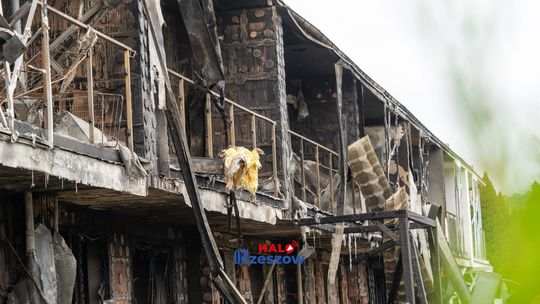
column 242, row 168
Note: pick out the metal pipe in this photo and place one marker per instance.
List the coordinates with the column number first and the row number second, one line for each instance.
column 232, row 136
column 209, row 128
column 317, row 170
column 274, row 162
column 90, row 89
column 331, row 181
column 303, row 170
column 182, row 104
column 129, row 107
column 253, row 132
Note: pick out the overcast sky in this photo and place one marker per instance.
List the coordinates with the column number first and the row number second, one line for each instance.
column 416, row 49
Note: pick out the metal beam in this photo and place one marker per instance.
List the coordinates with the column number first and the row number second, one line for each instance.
column 374, row 251
column 407, row 261
column 395, row 281
column 419, row 282
column 363, row 229
column 379, row 215
column 435, row 264
column 386, row 230
column 413, row 216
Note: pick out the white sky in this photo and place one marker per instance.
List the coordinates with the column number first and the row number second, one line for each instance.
column 407, row 46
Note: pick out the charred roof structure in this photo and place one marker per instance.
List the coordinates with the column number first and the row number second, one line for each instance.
column 218, row 151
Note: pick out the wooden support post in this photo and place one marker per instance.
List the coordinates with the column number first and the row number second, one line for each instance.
column 182, row 104
column 232, row 136
column 90, row 89
column 47, row 76
column 303, row 170
column 318, row 176
column 331, row 181
column 253, row 132
column 129, row 107
column 274, row 161
column 30, row 238
column 300, row 291
column 406, row 258
column 209, row 129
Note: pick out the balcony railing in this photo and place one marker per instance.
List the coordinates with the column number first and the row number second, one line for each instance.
column 234, row 111
column 111, row 113
column 256, row 122
column 327, row 166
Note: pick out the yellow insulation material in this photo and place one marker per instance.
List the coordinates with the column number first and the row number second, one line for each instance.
column 242, row 168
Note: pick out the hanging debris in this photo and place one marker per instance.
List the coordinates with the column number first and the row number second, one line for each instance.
column 242, row 168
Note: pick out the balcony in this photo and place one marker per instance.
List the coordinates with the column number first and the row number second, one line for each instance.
column 60, row 90
column 64, row 98
column 313, row 164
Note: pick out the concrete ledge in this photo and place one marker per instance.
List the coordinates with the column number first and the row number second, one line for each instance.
column 70, row 166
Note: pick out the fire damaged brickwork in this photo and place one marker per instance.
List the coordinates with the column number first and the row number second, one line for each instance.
column 254, row 64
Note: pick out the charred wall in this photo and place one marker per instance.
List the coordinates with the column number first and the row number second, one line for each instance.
column 255, row 77
column 125, row 259
column 11, row 238
column 313, row 110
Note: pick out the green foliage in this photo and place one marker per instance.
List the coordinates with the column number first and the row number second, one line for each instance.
column 495, row 220
column 512, row 231
column 523, row 264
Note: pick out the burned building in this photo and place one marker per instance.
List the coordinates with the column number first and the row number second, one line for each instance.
column 114, row 115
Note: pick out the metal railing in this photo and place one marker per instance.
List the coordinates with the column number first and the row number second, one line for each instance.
column 44, row 77
column 107, row 113
column 329, row 167
column 233, row 109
